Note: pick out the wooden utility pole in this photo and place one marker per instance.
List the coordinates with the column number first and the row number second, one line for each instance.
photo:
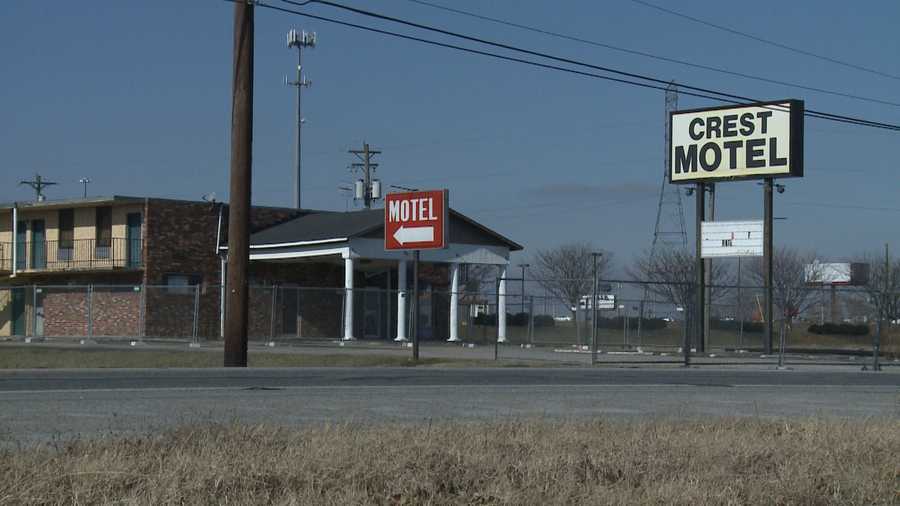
column 239, row 198
column 367, row 167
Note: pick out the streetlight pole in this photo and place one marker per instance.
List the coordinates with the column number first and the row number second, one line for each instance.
column 523, row 266
column 595, row 256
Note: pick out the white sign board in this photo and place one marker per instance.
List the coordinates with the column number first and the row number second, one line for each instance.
column 737, row 142
column 605, row 302
column 720, row 239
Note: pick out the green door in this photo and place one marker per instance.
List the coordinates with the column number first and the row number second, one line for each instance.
column 18, row 311
column 38, row 245
column 21, row 246
column 133, row 240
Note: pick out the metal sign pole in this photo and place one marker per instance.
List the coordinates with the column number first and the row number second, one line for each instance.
column 594, row 314
column 415, row 306
column 700, row 306
column 767, row 247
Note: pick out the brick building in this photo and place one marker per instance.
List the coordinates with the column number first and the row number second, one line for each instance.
column 140, row 255
column 133, row 266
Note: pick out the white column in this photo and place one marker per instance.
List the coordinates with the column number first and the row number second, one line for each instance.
column 348, row 298
column 501, row 306
column 401, row 301
column 454, row 303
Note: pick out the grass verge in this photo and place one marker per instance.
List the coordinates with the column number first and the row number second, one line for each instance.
column 31, row 357
column 725, row 461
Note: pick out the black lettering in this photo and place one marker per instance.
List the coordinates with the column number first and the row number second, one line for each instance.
column 774, row 161
column 755, row 153
column 685, row 162
column 717, row 156
column 764, row 116
column 712, row 125
column 747, row 123
column 695, row 122
column 729, row 125
column 732, row 147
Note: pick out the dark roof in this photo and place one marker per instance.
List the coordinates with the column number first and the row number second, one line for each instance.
column 321, row 225
column 324, row 225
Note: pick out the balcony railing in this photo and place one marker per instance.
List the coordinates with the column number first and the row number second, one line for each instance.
column 5, row 257
column 77, row 254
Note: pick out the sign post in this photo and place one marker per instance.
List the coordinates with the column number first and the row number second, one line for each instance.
column 737, row 142
column 414, row 221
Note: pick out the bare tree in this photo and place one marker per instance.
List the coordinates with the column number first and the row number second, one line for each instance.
column 791, row 294
column 566, row 272
column 670, row 275
column 882, row 286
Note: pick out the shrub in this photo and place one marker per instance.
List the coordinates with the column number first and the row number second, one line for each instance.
column 619, row 322
column 847, row 329
column 749, row 327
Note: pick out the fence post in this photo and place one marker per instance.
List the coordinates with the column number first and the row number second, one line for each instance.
column 272, row 315
column 531, row 320
column 33, row 310
column 142, row 330
column 90, row 311
column 195, row 323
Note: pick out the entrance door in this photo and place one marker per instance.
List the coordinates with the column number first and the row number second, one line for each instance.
column 133, row 240
column 290, row 307
column 18, row 311
column 39, row 314
column 372, row 314
column 21, row 247
column 38, row 245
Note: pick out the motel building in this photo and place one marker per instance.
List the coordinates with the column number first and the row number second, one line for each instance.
column 154, row 268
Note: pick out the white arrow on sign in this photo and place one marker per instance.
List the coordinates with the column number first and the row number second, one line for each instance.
column 404, row 235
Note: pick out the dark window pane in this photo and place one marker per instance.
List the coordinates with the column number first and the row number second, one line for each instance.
column 66, row 233
column 104, row 227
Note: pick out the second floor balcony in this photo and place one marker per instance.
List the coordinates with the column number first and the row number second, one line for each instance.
column 77, row 254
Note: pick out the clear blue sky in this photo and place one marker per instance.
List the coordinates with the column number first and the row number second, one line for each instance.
column 136, row 96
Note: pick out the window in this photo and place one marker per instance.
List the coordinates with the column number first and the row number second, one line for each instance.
column 66, row 246
column 181, row 284
column 103, row 232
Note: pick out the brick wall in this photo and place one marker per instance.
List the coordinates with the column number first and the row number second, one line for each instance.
column 181, row 239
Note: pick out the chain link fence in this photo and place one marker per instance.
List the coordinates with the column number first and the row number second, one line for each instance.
column 631, row 319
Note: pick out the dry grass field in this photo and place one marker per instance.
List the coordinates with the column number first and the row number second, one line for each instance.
column 805, row 462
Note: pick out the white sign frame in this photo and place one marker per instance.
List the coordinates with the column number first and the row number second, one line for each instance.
column 748, row 141
column 730, row 239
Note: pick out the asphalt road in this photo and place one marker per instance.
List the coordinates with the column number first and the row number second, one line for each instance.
column 60, row 404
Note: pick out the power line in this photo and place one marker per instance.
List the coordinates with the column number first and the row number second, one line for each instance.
column 698, row 91
column 766, row 41
column 653, row 56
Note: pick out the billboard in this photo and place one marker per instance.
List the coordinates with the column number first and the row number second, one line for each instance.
column 751, row 141
column 722, row 239
column 819, row 273
column 605, row 302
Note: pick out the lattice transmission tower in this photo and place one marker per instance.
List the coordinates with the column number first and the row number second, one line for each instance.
column 670, row 230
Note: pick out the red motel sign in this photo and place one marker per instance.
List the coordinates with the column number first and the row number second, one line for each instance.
column 415, row 220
